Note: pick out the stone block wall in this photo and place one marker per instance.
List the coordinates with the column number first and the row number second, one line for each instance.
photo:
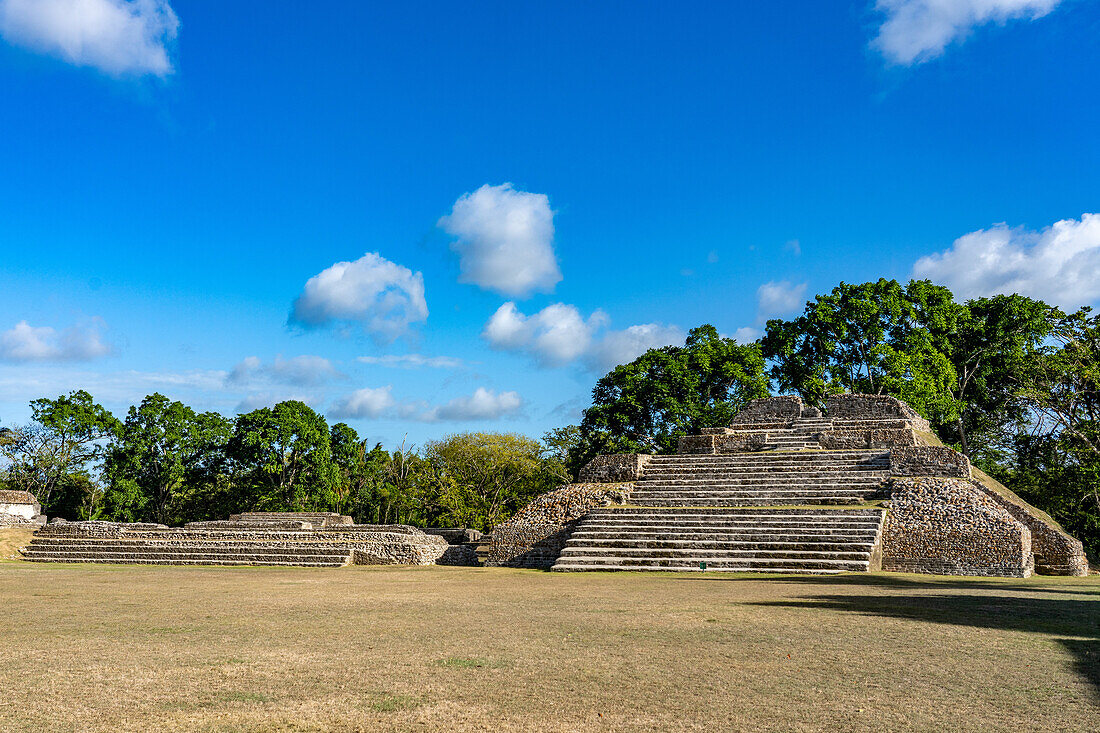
column 928, row 460
column 770, row 409
column 872, row 407
column 860, row 438
column 947, row 526
column 535, row 536
column 711, row 443
column 615, row 468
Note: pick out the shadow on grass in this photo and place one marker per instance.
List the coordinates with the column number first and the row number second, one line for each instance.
column 1035, row 584
column 1075, row 624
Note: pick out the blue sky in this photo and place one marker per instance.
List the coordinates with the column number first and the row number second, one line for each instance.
column 424, row 218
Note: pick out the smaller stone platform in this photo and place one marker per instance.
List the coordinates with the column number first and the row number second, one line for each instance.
column 308, row 539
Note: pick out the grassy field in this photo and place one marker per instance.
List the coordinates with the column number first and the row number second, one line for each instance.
column 263, row 649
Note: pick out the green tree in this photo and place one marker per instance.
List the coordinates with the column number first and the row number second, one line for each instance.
column 872, row 338
column 283, row 457
column 994, row 344
column 480, row 479
column 361, row 484
column 648, row 404
column 69, row 437
column 557, row 446
column 161, row 448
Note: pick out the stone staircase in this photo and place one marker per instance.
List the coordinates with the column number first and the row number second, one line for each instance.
column 763, row 479
column 731, row 539
column 763, row 494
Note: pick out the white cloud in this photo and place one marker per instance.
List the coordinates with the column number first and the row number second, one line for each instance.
column 366, row 402
column 270, row 399
column 505, row 240
column 793, row 246
column 555, row 335
column 24, row 343
column 19, row 383
column 915, row 31
column 302, row 370
column 385, row 297
column 118, row 37
column 1060, row 264
column 712, row 256
column 777, row 298
column 747, row 334
column 623, row 347
column 483, row 404
column 413, row 361
column 559, row 334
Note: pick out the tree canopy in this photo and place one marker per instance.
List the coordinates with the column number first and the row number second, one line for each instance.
column 648, row 404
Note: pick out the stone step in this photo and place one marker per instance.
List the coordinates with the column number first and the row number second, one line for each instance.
column 161, row 553
column 762, row 537
column 763, row 481
column 728, row 516
column 715, row 492
column 741, row 462
column 732, row 564
column 734, row 496
column 646, row 543
column 178, row 561
column 720, row 474
column 843, row 453
column 747, row 512
column 758, row 462
column 131, row 546
column 688, row 525
column 698, row 554
column 567, row 568
column 771, row 501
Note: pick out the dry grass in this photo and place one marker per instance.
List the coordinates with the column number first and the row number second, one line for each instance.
column 13, row 538
column 264, row 649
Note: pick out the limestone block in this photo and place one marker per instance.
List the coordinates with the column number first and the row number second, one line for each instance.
column 770, row 409
column 872, row 407
column 614, row 468
column 740, row 443
column 928, row 460
column 696, row 444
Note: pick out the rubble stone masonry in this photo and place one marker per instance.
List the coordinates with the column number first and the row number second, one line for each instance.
column 948, row 526
column 535, row 536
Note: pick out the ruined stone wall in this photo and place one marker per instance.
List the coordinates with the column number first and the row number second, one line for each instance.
column 722, row 443
column 615, row 468
column 770, row 409
column 855, row 438
column 536, row 535
column 947, row 526
column 20, row 508
column 929, row 460
column 872, row 407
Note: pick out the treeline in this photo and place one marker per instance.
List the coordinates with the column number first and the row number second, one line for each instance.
column 166, row 463
column 1012, row 382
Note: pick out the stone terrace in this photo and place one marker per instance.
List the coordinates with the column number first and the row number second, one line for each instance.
column 283, row 539
column 786, row 489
